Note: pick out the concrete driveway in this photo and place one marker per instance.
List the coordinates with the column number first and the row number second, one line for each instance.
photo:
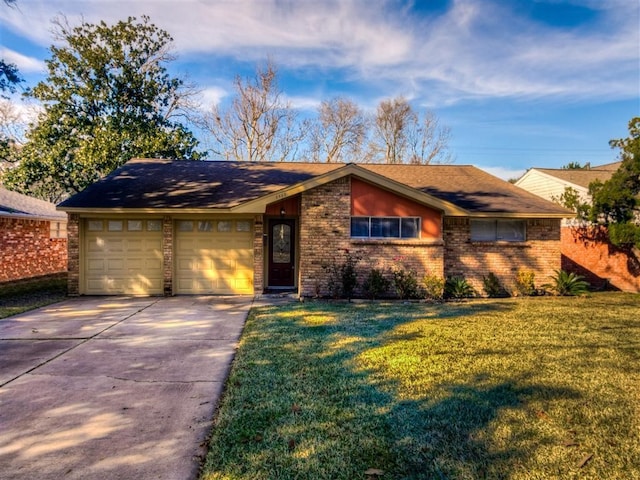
column 114, row 388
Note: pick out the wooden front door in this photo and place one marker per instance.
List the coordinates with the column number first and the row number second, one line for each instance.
column 282, row 258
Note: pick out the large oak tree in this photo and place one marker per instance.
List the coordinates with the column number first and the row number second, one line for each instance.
column 107, row 98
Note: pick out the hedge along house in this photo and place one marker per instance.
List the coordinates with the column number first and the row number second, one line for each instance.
column 169, row 227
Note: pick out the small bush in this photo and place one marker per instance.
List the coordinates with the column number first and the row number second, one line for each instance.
column 568, row 284
column 349, row 276
column 343, row 279
column 458, row 288
column 525, row 283
column 624, row 234
column 493, row 287
column 376, row 284
column 406, row 284
column 433, row 287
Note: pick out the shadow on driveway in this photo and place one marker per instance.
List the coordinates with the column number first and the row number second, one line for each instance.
column 114, row 387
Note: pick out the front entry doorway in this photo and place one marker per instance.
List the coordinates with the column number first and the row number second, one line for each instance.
column 282, row 256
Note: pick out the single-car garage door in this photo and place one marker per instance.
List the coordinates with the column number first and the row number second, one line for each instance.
column 123, row 256
column 214, row 256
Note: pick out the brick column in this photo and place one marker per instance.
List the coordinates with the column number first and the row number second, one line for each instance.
column 167, row 255
column 73, row 255
column 258, row 254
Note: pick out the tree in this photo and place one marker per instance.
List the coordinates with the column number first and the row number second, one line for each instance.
column 339, row 132
column 616, row 200
column 258, row 125
column 403, row 136
column 392, row 121
column 107, row 98
column 576, row 166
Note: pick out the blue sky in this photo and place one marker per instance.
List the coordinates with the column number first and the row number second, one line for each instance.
column 521, row 83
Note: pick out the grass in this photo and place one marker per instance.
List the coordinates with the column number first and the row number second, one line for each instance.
column 20, row 296
column 530, row 388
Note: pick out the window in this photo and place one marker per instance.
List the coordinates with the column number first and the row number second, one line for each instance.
column 134, row 225
column 205, row 226
column 385, row 227
column 224, row 226
column 58, row 230
column 114, row 225
column 154, row 225
column 95, row 225
column 498, row 230
column 243, row 226
column 185, row 226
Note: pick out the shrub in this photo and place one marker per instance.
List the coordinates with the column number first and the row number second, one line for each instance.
column 376, row 284
column 343, row 279
column 624, row 234
column 525, row 283
column 348, row 275
column 406, row 284
column 433, row 287
column 457, row 288
column 493, row 287
column 568, row 284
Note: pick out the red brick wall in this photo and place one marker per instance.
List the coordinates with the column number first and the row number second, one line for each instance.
column 588, row 252
column 325, row 225
column 26, row 249
column 473, row 260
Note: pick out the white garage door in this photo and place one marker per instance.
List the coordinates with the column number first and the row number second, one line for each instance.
column 214, row 256
column 123, row 257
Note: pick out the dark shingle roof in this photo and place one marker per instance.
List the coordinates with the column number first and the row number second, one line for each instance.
column 468, row 187
column 157, row 183
column 13, row 204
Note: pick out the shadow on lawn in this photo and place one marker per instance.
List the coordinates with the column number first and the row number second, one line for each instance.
column 359, row 414
column 453, row 437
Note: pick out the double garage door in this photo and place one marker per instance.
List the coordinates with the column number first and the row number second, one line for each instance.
column 125, row 257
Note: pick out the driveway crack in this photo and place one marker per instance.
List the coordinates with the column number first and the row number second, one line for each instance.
column 81, row 342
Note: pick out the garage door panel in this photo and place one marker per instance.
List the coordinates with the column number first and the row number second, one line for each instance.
column 123, row 262
column 214, row 262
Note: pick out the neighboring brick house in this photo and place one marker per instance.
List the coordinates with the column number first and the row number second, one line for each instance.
column 586, row 250
column 33, row 237
column 181, row 227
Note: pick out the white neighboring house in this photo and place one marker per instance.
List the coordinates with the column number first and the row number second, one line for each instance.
column 551, row 183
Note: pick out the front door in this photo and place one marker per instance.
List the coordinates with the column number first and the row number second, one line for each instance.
column 282, row 256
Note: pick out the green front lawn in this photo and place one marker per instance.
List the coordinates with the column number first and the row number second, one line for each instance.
column 530, row 388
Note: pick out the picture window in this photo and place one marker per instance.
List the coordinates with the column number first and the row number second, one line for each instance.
column 385, row 227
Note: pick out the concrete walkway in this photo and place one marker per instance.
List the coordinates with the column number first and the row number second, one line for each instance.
column 114, row 388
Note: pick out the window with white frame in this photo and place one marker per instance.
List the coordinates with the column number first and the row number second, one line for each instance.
column 57, row 229
column 385, row 227
column 498, row 230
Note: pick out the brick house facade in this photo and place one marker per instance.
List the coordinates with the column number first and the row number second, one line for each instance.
column 257, row 227
column 33, row 238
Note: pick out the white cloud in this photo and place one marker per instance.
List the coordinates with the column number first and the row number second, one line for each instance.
column 212, row 96
column 473, row 50
column 25, row 64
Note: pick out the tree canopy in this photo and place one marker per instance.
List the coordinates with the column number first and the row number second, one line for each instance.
column 616, row 200
column 107, row 98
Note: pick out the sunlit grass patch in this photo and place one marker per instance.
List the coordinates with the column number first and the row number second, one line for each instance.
column 517, row 388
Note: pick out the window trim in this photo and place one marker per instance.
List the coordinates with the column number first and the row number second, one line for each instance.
column 496, row 222
column 398, row 218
